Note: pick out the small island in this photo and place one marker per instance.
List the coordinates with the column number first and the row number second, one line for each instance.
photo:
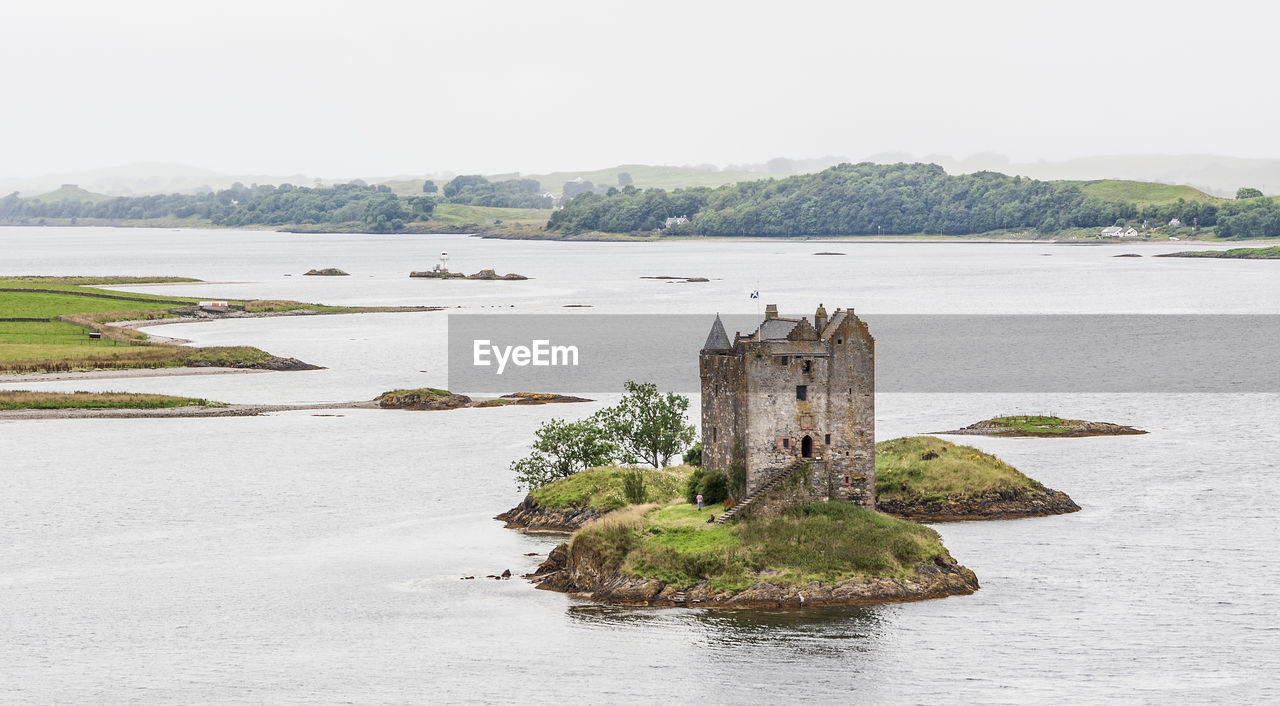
column 326, row 272
column 1271, row 253
column 927, row 479
column 487, row 275
column 812, row 554
column 1042, row 426
column 431, row 398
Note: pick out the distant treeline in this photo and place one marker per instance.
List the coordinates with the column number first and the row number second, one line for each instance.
column 512, row 193
column 897, row 199
column 372, row 207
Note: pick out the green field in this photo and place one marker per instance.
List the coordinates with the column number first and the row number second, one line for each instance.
column 460, row 214
column 1143, row 193
column 61, row 345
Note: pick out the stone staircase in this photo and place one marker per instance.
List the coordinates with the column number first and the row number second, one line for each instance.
column 764, row 488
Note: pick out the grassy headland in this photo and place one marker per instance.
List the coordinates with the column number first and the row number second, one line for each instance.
column 49, row 319
column 23, row 399
column 929, row 479
column 1271, row 253
column 927, row 468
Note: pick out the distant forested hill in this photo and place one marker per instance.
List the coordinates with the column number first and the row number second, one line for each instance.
column 371, row 207
column 898, row 199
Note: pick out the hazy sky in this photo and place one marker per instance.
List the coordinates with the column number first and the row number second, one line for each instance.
column 366, row 88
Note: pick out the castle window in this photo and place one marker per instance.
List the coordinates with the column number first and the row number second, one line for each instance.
column 808, row 366
column 783, row 360
column 786, row 443
column 828, row 440
column 802, row 392
column 839, row 341
column 713, row 435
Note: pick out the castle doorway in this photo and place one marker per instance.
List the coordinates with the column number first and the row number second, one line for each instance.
column 806, row 446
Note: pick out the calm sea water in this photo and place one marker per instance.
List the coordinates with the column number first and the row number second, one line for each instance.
column 304, row 558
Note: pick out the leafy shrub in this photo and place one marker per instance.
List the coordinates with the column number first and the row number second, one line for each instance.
column 693, row 457
column 691, row 488
column 714, row 487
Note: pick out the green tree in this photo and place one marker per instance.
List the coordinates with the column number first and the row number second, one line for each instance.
column 693, row 457
column 1246, row 192
column 648, row 427
column 561, row 449
column 624, row 179
column 429, row 187
column 423, row 206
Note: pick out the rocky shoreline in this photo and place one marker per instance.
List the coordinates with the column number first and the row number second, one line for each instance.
column 998, row 505
column 531, row 516
column 581, row 574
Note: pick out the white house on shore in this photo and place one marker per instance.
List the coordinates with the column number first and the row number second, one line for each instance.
column 1118, row 232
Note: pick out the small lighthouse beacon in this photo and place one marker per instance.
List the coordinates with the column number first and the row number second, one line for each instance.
column 443, row 265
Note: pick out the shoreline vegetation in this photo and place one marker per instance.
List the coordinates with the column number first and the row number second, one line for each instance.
column 1042, row 426
column 913, row 201
column 80, row 399
column 1271, row 253
column 64, row 324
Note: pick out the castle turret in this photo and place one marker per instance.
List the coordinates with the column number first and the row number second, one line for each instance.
column 820, row 318
column 717, row 339
column 770, row 312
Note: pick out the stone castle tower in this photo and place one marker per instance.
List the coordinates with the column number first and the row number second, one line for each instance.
column 793, row 394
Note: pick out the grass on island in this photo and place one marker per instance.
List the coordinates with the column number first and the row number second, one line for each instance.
column 23, row 399
column 929, row 469
column 1270, row 253
column 601, row 488
column 1036, row 424
column 420, row 391
column 824, row 542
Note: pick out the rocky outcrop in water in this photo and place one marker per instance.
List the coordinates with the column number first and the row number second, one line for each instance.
column 274, row 363
column 530, row 516
column 997, row 505
column 326, row 272
column 572, row 569
column 422, row 400
column 481, row 275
